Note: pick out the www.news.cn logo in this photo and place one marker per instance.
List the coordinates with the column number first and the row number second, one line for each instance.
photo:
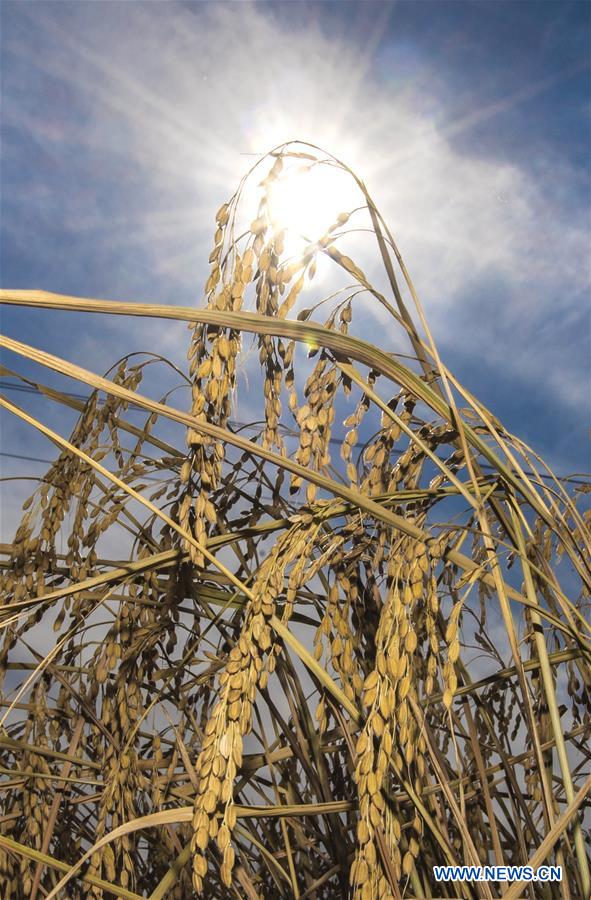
column 497, row 873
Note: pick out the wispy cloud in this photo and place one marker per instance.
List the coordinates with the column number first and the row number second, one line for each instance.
column 153, row 107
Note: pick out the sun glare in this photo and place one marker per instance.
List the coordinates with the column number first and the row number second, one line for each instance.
column 306, row 201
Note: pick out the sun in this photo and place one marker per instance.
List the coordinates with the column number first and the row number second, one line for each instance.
column 306, row 200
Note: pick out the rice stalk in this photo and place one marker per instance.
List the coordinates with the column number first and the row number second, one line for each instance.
column 321, row 576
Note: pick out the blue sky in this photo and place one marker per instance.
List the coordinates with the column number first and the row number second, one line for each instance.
column 126, row 125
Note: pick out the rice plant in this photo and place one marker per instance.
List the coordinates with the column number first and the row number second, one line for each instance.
column 310, row 655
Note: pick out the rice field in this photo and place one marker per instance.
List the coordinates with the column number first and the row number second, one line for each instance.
column 312, row 654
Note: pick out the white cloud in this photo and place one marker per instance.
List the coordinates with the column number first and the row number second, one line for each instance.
column 185, row 94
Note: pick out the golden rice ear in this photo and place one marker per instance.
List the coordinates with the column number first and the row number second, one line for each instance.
column 316, row 652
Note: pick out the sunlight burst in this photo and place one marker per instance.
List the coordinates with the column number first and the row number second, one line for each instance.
column 307, row 200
